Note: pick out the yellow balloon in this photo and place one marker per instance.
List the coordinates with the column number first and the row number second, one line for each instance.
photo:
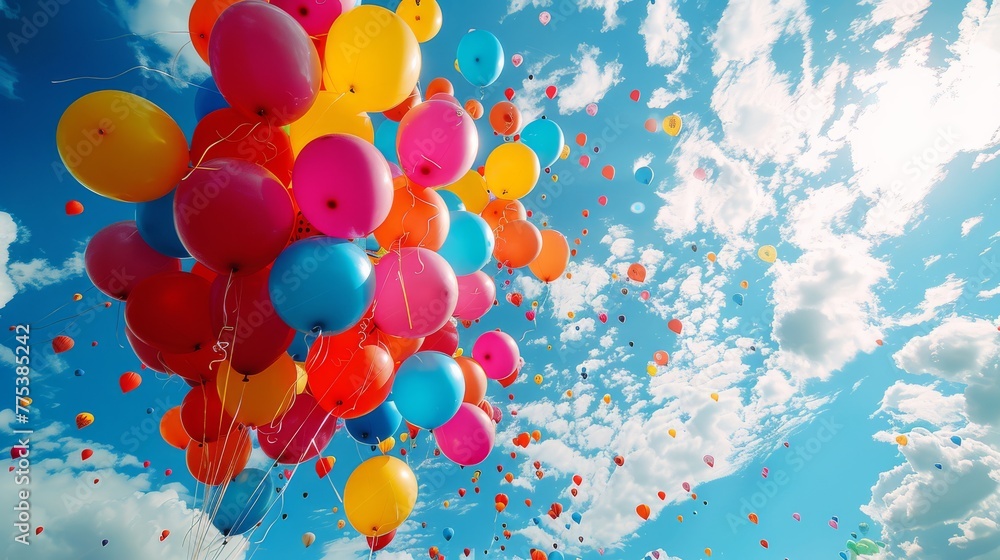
column 651, row 370
column 569, row 392
column 565, row 152
column 672, row 125
column 459, row 352
column 570, row 314
column 121, row 146
column 256, row 400
column 387, row 444
column 301, row 378
column 379, row 495
column 372, row 58
column 446, row 504
column 607, row 399
column 512, row 171
column 711, row 257
column 341, row 524
column 715, row 397
column 744, row 284
column 403, row 437
column 539, row 379
column 672, row 432
column 423, row 17
column 614, row 275
column 330, row 114
column 471, row 188
column 767, row 253
column 902, row 440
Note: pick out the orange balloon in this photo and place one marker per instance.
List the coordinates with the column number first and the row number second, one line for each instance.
column 418, row 218
column 202, row 19
column 218, row 461
column 202, row 414
column 257, row 400
column 474, row 108
column 517, row 244
column 642, row 510
column 475, row 380
column 553, row 257
column 171, row 429
column 352, row 388
column 505, row 118
column 500, row 212
column 397, row 112
column 439, row 85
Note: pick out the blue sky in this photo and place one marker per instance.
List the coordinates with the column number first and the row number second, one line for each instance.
column 857, row 138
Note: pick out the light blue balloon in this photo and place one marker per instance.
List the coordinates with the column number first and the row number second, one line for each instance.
column 207, row 99
column 536, row 521
column 644, row 175
column 556, row 555
column 242, row 504
column 448, row 533
column 738, row 298
column 480, row 57
column 546, row 139
column 378, row 425
column 428, row 389
column 469, row 244
column 385, row 140
column 956, row 440
column 155, row 221
column 371, row 244
column 299, row 349
column 322, row 284
column 577, row 517
column 638, row 208
column 451, row 200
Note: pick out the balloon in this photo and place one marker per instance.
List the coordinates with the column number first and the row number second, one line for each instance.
column 512, row 171
column 83, row 420
column 553, row 257
column 644, row 175
column 476, row 293
column 448, row 533
column 352, row 385
column 207, row 97
column 213, row 206
column 195, row 367
column 498, row 353
column 218, row 461
column 471, row 188
column 469, row 244
column 242, row 312
column 264, row 63
column 672, row 125
column 767, row 253
column 675, row 325
column 546, row 139
column 439, row 85
column 505, row 118
column 738, row 299
column 428, row 389
column 201, row 20
column 378, row 543
column 258, row 399
column 330, row 114
column 423, row 17
column 241, row 504
column 121, row 146
column 308, row 539
column 517, row 244
column 480, row 57
column 451, row 201
column 74, row 208
column 169, row 311
column 330, row 299
column 468, row 437
column 129, row 381
column 709, row 460
column 229, row 133
column 444, row 340
column 417, row 292
column 499, row 213
column 117, row 259
column 155, row 222
column 437, row 143
column 300, row 434
column 172, row 430
column 417, row 217
column 957, row 440
column 474, row 108
column 315, row 16
column 375, row 71
column 902, row 440
column 379, row 495
column 475, row 380
column 375, row 426
column 202, row 414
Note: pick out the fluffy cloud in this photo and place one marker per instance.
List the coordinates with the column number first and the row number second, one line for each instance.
column 664, row 32
column 591, row 80
column 903, row 15
column 8, row 79
column 934, row 299
column 169, row 52
column 909, row 404
column 8, row 234
column 38, row 273
column 970, row 223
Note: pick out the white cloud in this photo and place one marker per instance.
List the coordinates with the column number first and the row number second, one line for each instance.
column 987, row 294
column 664, row 32
column 768, row 20
column 8, row 234
column 904, row 15
column 970, row 223
column 609, row 7
column 931, row 260
column 591, row 80
column 169, row 52
column 38, row 273
column 934, row 299
column 8, row 79
column 909, row 404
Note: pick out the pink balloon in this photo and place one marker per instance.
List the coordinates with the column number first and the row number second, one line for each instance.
column 117, row 259
column 468, row 437
column 415, row 292
column 233, row 215
column 437, row 143
column 343, row 185
column 256, row 335
column 476, row 293
column 497, row 352
column 700, row 174
column 264, row 62
column 444, row 340
column 315, row 16
column 300, row 434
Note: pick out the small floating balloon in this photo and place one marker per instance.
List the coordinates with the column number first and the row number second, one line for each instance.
column 637, row 208
column 74, row 207
column 591, row 109
column 700, row 174
column 544, row 18
column 672, row 125
column 634, row 96
column 644, row 175
column 902, row 440
column 516, row 60
column 767, row 253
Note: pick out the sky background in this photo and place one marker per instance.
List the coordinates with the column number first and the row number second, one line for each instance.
column 858, row 138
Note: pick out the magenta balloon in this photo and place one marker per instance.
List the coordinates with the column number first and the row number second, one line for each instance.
column 117, row 259
column 444, row 340
column 497, row 352
column 497, row 415
column 256, row 335
column 415, row 292
column 233, row 215
column 264, row 62
column 300, row 434
column 343, row 185
column 315, row 16
column 468, row 437
column 437, row 143
column 476, row 293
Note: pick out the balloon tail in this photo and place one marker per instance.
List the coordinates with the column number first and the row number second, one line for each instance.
column 122, row 73
column 406, row 301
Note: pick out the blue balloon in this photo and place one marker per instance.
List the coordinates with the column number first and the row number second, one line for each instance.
column 242, row 504
column 577, row 517
column 644, row 175
column 738, row 298
column 843, row 555
column 298, row 349
column 567, row 526
column 371, row 244
column 448, row 533
column 428, row 389
column 104, row 542
column 546, row 139
column 556, row 555
column 78, row 373
column 469, row 244
column 939, row 466
column 155, row 221
column 207, row 99
column 378, row 425
column 385, row 140
column 451, row 200
column 480, row 57
column 536, row 521
column 322, row 284
column 956, row 440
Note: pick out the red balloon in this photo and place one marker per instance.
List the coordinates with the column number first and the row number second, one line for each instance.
column 350, row 387
column 169, row 311
column 229, row 133
column 219, row 461
column 233, row 216
column 244, row 315
column 117, row 259
column 195, row 367
column 149, row 356
column 378, row 543
column 202, row 414
column 444, row 340
column 300, row 434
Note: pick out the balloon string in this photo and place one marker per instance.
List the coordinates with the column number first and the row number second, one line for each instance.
column 198, row 166
column 139, row 67
column 176, row 57
column 143, row 36
column 406, row 300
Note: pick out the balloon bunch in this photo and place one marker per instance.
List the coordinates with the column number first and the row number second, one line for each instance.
column 299, row 220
